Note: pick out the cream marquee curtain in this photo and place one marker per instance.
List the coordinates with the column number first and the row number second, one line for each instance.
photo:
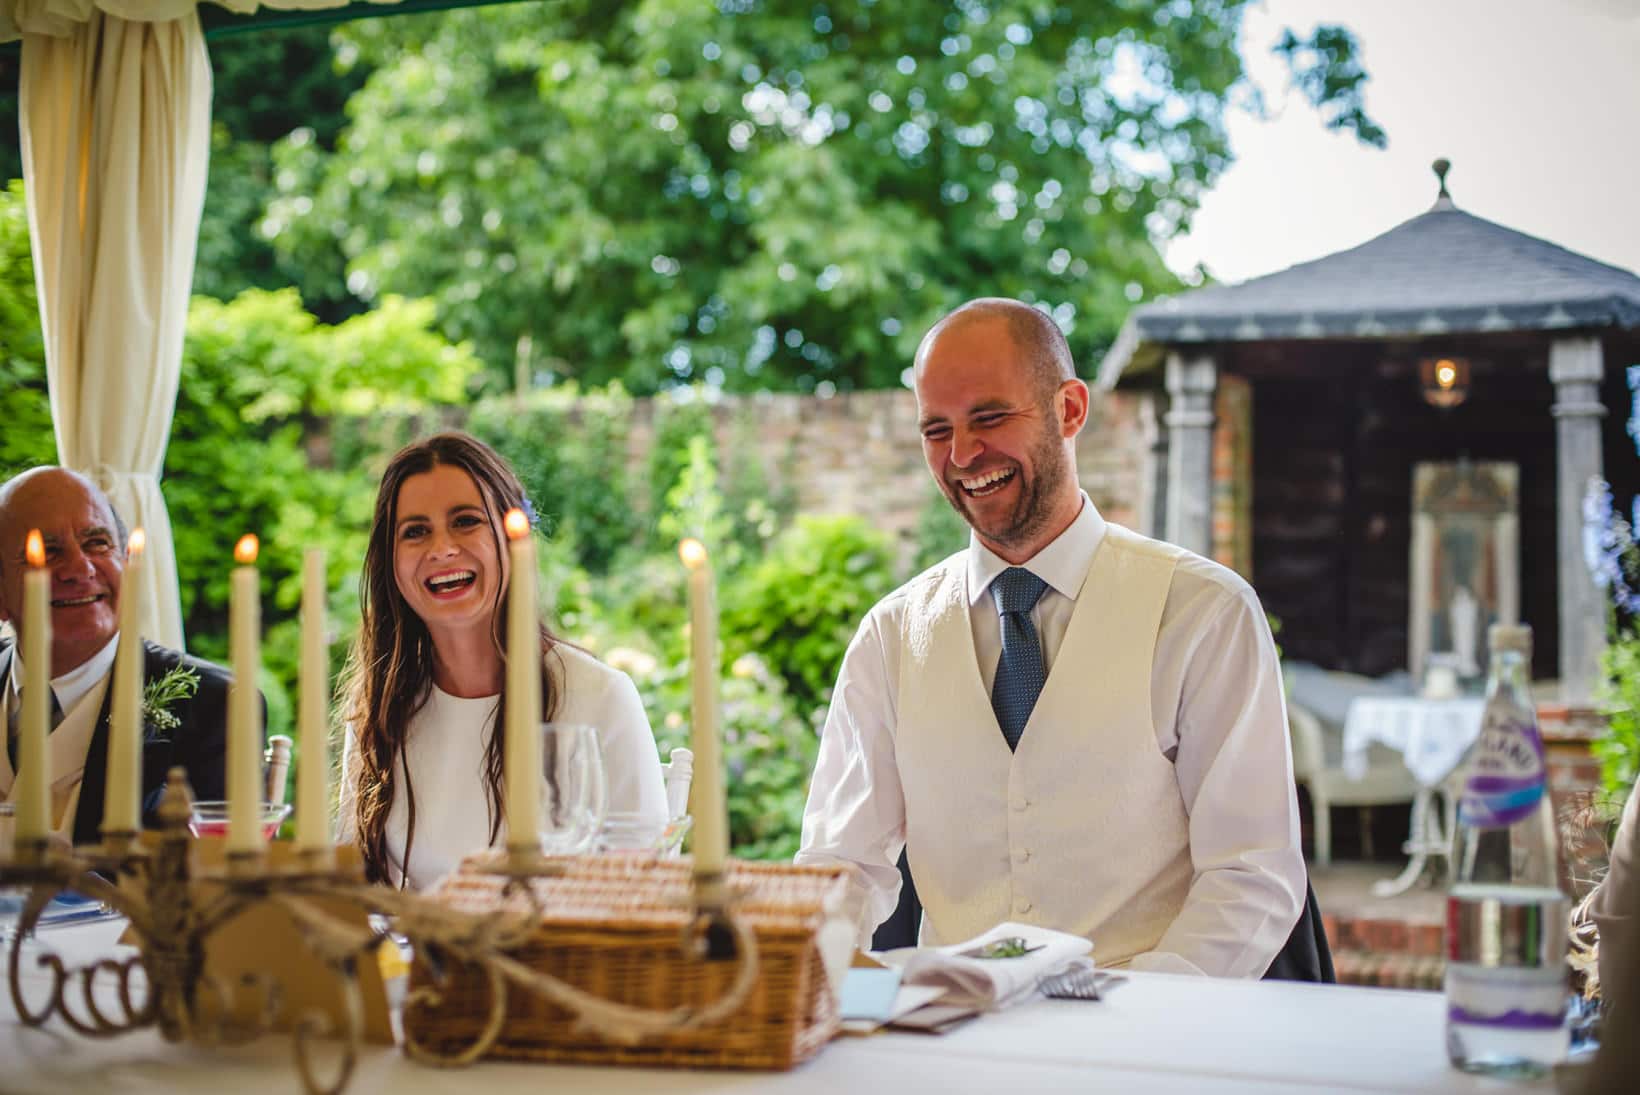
column 115, row 112
column 115, row 120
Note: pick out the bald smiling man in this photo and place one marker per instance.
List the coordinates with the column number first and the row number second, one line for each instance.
column 1066, row 723
column 85, row 554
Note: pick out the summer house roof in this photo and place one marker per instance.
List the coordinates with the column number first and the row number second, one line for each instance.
column 1444, row 272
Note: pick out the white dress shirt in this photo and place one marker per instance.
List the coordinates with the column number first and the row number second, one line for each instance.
column 79, row 685
column 1219, row 716
column 445, row 748
column 73, row 686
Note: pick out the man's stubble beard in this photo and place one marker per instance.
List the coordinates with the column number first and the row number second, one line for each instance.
column 1033, row 509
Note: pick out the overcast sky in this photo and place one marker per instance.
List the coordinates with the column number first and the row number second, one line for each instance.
column 1535, row 102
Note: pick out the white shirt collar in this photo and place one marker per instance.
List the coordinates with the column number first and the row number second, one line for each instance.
column 71, row 687
column 1063, row 564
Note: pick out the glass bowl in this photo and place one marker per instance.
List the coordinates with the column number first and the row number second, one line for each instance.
column 211, row 818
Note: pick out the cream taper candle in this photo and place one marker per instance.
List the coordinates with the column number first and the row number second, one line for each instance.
column 32, row 790
column 123, row 793
column 244, row 713
column 523, row 741
column 711, row 830
column 313, row 714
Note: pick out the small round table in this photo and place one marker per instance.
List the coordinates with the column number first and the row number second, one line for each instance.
column 1431, row 736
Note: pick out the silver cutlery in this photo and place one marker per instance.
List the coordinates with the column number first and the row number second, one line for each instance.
column 1079, row 983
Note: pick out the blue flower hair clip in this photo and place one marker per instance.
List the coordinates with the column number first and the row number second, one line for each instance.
column 529, row 511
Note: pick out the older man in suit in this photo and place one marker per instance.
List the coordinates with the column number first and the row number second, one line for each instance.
column 85, row 553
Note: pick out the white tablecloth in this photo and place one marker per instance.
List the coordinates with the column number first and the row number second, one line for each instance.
column 1430, row 735
column 1157, row 1033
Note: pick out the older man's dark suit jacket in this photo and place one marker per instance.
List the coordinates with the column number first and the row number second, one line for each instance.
column 199, row 744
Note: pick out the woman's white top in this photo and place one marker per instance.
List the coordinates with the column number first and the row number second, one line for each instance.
column 444, row 753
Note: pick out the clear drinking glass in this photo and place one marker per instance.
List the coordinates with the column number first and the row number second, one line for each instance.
column 627, row 832
column 574, row 789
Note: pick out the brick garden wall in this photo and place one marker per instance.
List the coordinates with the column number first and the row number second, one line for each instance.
column 860, row 453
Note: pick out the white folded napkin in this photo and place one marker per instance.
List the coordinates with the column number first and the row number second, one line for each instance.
column 989, row 983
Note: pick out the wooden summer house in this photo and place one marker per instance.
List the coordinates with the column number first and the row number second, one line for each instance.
column 1394, row 442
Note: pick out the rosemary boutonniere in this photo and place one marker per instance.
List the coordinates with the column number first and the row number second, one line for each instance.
column 157, row 697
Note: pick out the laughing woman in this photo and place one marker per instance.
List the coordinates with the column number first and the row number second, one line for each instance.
column 422, row 761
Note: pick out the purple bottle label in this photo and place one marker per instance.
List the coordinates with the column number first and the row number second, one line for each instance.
column 1513, row 1019
column 1507, row 776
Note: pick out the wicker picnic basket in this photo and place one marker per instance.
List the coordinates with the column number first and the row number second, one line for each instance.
column 612, row 925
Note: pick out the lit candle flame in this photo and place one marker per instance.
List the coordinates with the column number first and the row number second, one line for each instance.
column 35, row 549
column 1446, row 373
column 517, row 525
column 138, row 541
column 244, row 552
column 692, row 552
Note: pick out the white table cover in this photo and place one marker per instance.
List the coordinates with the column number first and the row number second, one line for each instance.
column 1431, row 735
column 1157, row 1033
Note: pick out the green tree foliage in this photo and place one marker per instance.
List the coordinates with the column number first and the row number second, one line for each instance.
column 25, row 413
column 267, row 85
column 1327, row 70
column 780, row 193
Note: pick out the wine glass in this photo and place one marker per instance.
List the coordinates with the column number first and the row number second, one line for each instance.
column 574, row 789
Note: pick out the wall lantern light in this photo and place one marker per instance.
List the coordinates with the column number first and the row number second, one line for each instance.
column 1445, row 381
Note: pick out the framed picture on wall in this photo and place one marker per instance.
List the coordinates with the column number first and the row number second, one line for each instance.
column 1465, row 567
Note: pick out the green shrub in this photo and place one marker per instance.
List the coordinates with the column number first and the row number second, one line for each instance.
column 757, row 509
column 769, row 747
column 940, row 530
column 258, row 374
column 569, row 448
column 1619, row 748
column 800, row 605
column 26, row 438
column 694, row 508
column 678, row 418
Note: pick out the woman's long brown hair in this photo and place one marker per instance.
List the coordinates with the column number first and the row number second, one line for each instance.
column 389, row 674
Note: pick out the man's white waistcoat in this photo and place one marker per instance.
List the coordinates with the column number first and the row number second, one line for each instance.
column 1082, row 828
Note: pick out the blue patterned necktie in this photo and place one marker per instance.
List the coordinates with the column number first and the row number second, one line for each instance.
column 1020, row 673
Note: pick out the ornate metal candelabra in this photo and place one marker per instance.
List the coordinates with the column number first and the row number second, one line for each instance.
column 172, row 917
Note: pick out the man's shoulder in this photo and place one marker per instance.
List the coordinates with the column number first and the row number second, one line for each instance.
column 943, row 576
column 163, row 659
column 1196, row 573
column 1199, row 590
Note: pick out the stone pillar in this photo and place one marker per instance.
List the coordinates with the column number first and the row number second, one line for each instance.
column 1575, row 368
column 1190, row 383
column 1152, row 514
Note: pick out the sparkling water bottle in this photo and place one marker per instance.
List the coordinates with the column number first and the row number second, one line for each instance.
column 1506, row 992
